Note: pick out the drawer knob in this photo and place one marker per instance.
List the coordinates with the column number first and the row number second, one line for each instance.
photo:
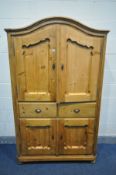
column 37, row 110
column 76, row 110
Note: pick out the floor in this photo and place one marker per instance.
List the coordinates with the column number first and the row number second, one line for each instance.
column 105, row 164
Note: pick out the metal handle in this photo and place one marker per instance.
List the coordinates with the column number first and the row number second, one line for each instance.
column 62, row 67
column 37, row 110
column 76, row 110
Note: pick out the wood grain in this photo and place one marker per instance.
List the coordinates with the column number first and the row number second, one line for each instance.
column 77, row 109
column 37, row 109
column 56, row 67
column 57, row 158
column 37, row 136
column 77, row 136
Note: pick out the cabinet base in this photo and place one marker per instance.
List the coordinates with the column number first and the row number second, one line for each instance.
column 57, row 158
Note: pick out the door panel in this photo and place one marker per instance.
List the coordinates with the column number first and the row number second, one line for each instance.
column 38, row 136
column 36, row 61
column 79, row 65
column 76, row 136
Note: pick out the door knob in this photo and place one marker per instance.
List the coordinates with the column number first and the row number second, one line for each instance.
column 62, row 67
column 53, row 66
column 61, row 137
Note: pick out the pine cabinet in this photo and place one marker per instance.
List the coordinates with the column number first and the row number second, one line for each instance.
column 56, row 69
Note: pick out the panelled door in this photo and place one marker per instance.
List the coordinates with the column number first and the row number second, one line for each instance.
column 38, row 136
column 78, row 65
column 52, row 67
column 36, row 65
column 76, row 136
column 68, row 136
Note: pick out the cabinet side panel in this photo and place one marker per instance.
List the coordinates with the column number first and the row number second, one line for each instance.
column 99, row 91
column 12, row 64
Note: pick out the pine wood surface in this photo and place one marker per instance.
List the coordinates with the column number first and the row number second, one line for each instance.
column 56, row 69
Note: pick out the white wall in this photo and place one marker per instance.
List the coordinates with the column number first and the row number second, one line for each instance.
column 99, row 14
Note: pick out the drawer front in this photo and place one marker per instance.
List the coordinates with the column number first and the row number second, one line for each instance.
column 77, row 110
column 37, row 109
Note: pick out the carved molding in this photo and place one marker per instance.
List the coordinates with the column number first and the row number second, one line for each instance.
column 36, row 43
column 39, row 148
column 37, row 126
column 75, row 126
column 74, row 147
column 80, row 44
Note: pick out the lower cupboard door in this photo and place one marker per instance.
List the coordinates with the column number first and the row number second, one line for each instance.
column 38, row 136
column 76, row 136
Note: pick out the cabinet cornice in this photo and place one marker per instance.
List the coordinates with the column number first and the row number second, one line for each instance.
column 56, row 20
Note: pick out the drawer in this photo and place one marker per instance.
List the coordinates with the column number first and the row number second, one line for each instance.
column 37, row 109
column 77, row 110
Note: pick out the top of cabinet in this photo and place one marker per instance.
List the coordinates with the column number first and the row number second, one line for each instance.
column 57, row 20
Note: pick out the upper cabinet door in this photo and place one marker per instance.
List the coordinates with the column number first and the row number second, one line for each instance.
column 78, row 65
column 35, row 55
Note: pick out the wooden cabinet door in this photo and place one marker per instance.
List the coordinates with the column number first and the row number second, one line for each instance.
column 38, row 136
column 78, row 65
column 35, row 55
column 76, row 136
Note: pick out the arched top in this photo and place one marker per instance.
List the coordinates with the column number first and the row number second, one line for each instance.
column 57, row 20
